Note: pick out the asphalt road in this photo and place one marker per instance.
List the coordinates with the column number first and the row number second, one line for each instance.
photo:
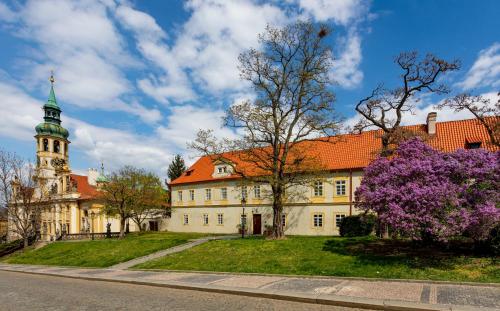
column 20, row 291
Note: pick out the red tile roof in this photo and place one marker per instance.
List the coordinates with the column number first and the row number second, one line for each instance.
column 86, row 190
column 356, row 151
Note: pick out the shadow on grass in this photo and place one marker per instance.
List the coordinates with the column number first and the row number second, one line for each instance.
column 385, row 252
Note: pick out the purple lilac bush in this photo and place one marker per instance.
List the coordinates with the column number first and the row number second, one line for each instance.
column 422, row 193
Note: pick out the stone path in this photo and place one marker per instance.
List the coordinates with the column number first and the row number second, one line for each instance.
column 371, row 294
column 168, row 251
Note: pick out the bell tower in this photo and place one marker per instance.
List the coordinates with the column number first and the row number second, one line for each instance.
column 52, row 148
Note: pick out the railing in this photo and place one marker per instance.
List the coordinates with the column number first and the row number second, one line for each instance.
column 90, row 236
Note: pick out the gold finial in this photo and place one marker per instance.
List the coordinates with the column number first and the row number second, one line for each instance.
column 51, row 79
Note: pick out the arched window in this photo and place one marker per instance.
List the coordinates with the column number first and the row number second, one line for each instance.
column 57, row 146
column 65, row 148
column 45, row 144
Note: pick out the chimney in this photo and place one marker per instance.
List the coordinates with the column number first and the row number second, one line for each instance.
column 92, row 176
column 431, row 123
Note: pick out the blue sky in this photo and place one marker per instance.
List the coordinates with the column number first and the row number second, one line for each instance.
column 137, row 79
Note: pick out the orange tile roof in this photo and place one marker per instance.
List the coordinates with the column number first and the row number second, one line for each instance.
column 356, row 151
column 86, row 190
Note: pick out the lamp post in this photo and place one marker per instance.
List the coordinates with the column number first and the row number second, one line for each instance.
column 243, row 217
column 92, row 215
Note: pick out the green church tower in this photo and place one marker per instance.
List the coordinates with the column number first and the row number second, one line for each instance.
column 52, row 147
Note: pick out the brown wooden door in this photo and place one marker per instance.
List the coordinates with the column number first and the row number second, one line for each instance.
column 257, row 224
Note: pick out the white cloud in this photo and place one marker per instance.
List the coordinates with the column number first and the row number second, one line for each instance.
column 81, row 43
column 6, row 14
column 485, row 72
column 21, row 113
column 205, row 50
column 345, row 70
column 185, row 121
column 342, row 12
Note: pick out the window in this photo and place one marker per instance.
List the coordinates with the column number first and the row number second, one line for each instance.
column 68, row 184
column 473, row 145
column 57, row 146
column 65, row 149
column 208, row 194
column 220, row 219
column 191, row 195
column 338, row 219
column 318, row 188
column 223, row 193
column 205, row 219
column 45, row 144
column 340, row 187
column 256, row 192
column 318, row 220
column 244, row 192
column 186, row 219
column 222, row 169
column 283, row 220
column 179, row 195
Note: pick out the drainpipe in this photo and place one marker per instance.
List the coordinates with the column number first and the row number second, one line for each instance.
column 350, row 192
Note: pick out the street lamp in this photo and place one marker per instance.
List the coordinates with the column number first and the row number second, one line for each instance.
column 243, row 217
column 92, row 215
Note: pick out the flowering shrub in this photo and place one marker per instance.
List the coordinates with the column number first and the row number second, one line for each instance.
column 423, row 193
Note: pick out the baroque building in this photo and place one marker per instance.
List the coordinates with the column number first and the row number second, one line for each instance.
column 207, row 197
column 71, row 204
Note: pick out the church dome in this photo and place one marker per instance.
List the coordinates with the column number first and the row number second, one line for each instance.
column 52, row 129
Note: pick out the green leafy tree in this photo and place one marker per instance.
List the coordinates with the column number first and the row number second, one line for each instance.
column 176, row 168
column 132, row 193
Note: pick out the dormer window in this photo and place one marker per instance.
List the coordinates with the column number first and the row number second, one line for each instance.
column 473, row 145
column 222, row 169
column 188, row 173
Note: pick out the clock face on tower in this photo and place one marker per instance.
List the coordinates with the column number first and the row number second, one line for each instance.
column 58, row 163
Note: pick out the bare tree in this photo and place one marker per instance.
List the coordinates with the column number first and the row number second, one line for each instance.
column 290, row 75
column 384, row 108
column 486, row 112
column 24, row 194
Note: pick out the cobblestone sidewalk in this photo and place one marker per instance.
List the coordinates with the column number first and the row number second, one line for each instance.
column 395, row 295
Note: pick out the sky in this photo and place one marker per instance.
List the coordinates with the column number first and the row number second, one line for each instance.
column 136, row 80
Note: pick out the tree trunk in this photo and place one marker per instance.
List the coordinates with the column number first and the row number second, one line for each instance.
column 277, row 212
column 26, row 242
column 122, row 227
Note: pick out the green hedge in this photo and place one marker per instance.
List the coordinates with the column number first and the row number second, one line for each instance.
column 10, row 247
column 357, row 225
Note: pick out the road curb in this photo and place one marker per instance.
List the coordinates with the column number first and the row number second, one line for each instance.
column 343, row 278
column 345, row 301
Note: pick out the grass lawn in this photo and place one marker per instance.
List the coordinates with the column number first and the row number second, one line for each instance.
column 100, row 253
column 334, row 256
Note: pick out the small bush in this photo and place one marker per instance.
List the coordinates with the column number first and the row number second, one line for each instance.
column 357, row 225
column 494, row 240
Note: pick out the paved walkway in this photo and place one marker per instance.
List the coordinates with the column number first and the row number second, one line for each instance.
column 168, row 251
column 373, row 294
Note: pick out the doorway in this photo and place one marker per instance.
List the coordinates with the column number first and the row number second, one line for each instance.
column 257, row 224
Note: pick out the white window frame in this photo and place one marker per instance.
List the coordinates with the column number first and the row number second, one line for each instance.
column 191, row 195
column 341, row 187
column 244, row 192
column 205, row 219
column 179, row 195
column 338, row 219
column 318, row 188
column 220, row 219
column 318, row 220
column 208, row 194
column 256, row 191
column 186, row 220
column 223, row 193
